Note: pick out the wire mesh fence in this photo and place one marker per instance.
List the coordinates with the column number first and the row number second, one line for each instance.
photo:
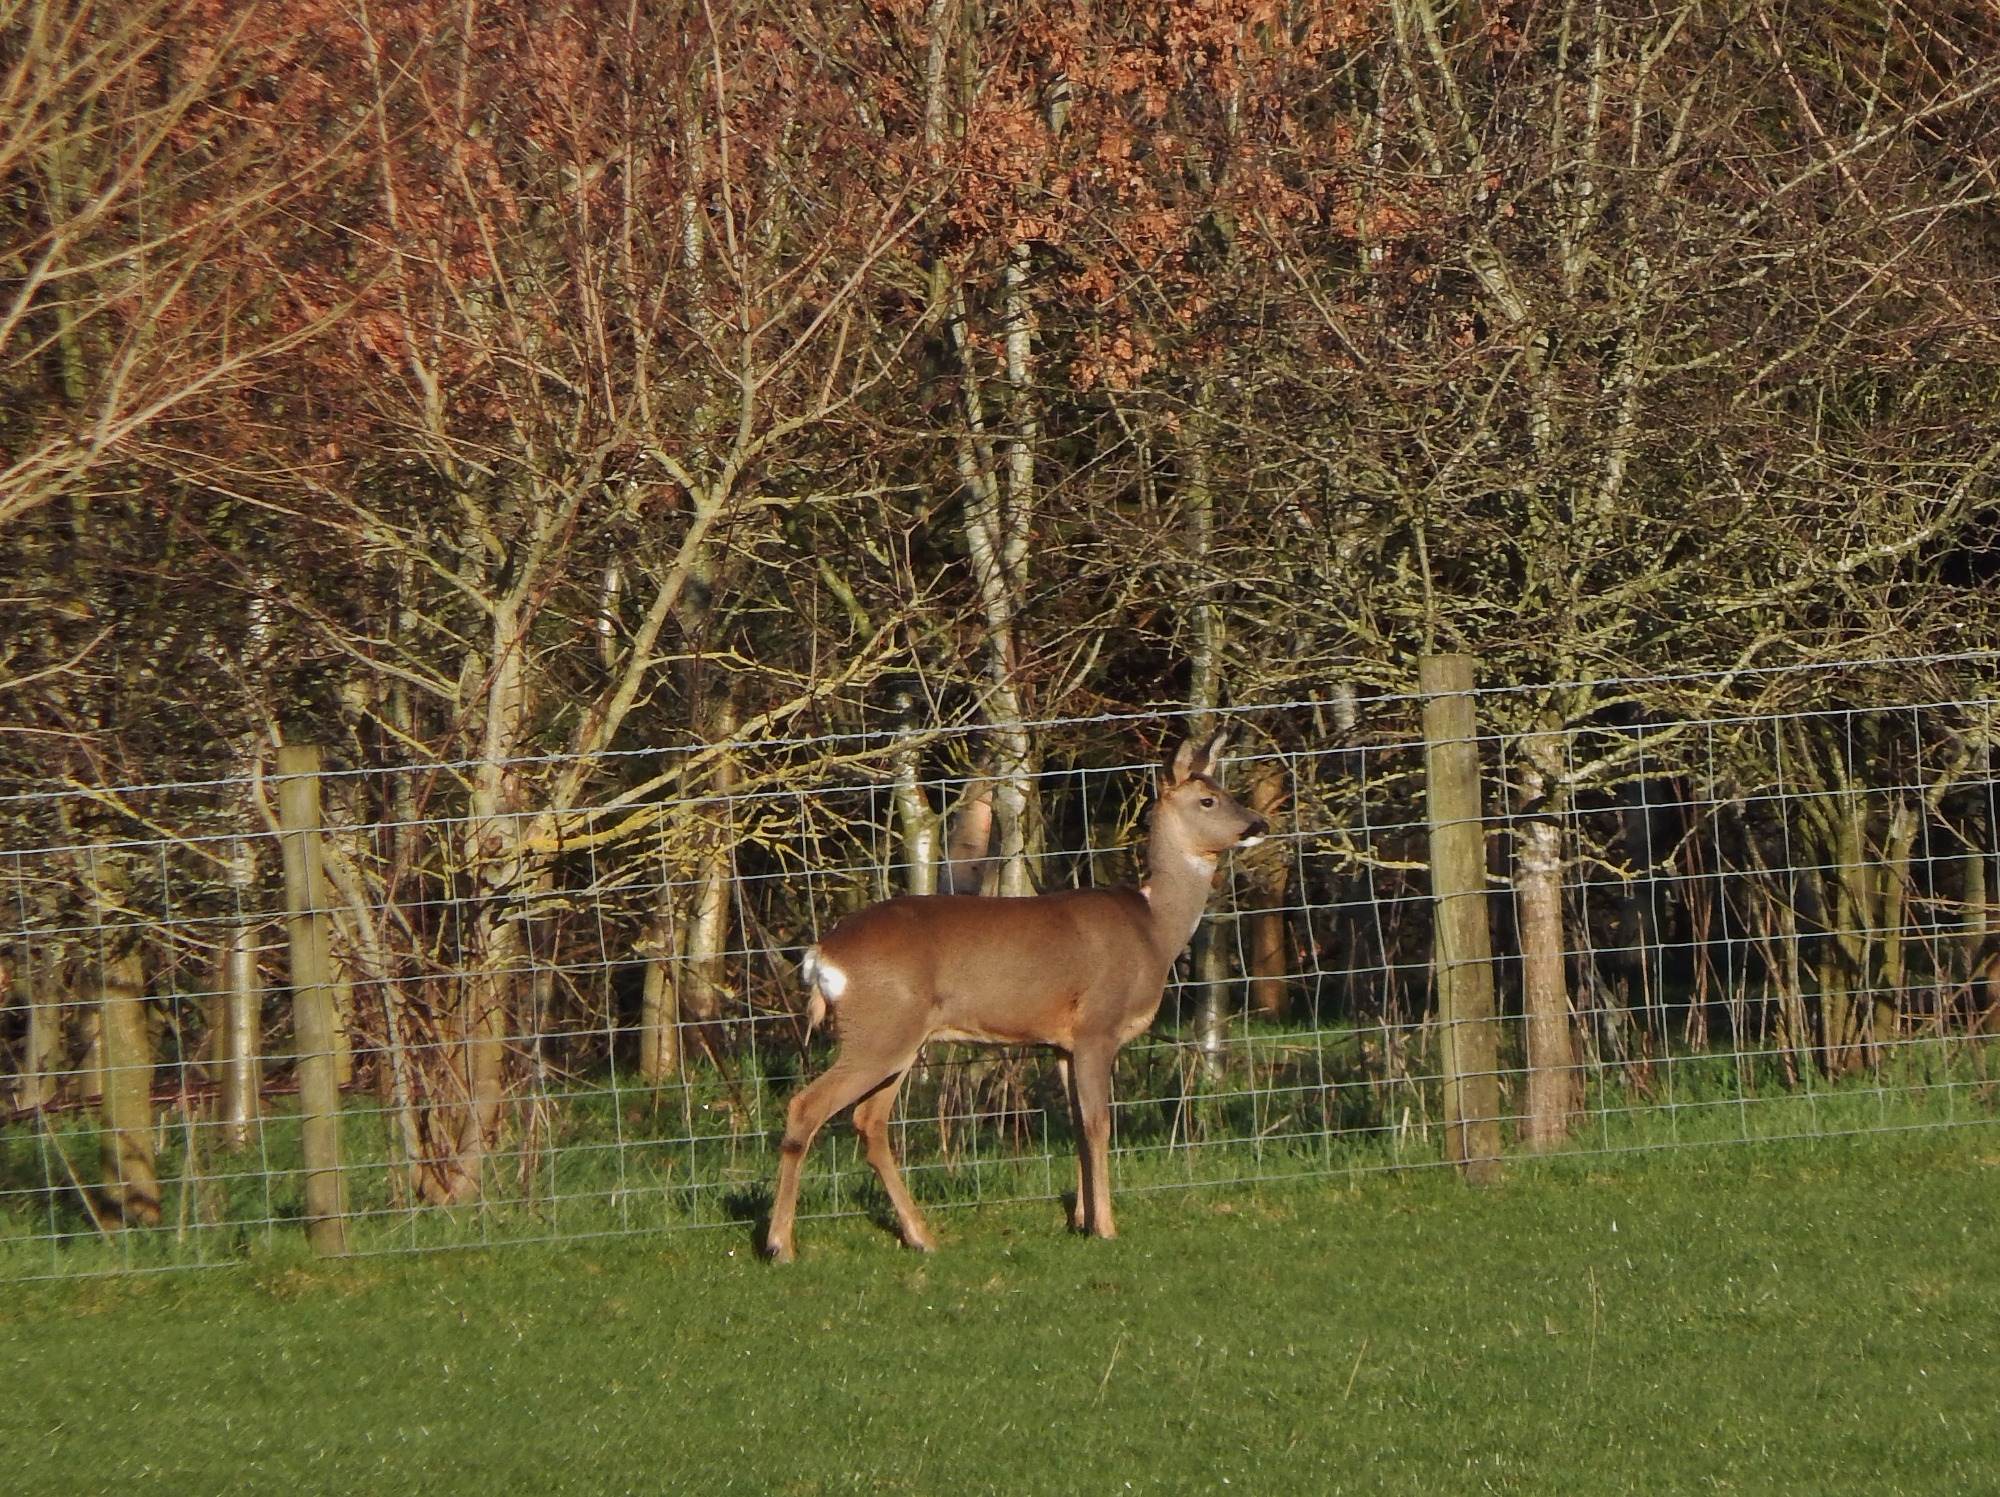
column 561, row 999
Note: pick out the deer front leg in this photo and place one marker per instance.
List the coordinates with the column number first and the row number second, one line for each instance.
column 1090, row 1074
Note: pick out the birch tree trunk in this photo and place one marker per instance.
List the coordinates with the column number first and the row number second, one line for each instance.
column 996, row 536
column 999, row 482
column 1553, row 1091
column 239, row 1052
column 1211, row 965
column 916, row 821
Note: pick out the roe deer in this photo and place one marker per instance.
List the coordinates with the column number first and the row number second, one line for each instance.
column 1081, row 972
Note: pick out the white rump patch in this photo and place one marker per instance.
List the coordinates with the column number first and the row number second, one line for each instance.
column 829, row 979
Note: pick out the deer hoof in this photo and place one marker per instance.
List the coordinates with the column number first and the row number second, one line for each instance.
column 779, row 1252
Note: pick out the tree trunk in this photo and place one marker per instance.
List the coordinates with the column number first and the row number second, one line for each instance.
column 1552, row 1096
column 705, row 970
column 1892, row 903
column 1015, row 805
column 1976, row 916
column 969, row 864
column 917, row 823
column 90, row 1039
column 1269, row 870
column 999, row 514
column 487, row 1006
column 1205, row 654
column 1212, row 986
column 501, row 878
column 240, row 1047
column 1844, row 908
column 1794, row 1027
column 131, row 1180
column 397, row 1079
column 659, row 1000
column 38, row 976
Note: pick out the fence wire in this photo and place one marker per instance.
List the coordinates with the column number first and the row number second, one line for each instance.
column 563, row 1022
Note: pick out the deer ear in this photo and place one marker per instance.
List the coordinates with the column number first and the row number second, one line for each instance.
column 1215, row 753
column 1182, row 763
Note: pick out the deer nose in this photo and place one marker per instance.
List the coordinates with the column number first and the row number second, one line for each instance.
column 1257, row 828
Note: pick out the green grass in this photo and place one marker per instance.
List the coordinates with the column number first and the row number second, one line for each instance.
column 699, row 1154
column 1810, row 1317
column 598, row 1162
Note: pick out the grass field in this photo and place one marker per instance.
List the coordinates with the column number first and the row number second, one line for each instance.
column 1810, row 1317
column 602, row 1160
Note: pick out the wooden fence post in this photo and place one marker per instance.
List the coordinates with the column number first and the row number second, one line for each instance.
column 1470, row 1048
column 313, row 1017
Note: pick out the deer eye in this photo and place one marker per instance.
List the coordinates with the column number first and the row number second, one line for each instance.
column 1207, row 802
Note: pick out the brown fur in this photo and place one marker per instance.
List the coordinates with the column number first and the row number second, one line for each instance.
column 1081, row 971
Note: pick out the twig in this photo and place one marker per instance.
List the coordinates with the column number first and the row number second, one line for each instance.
column 1346, row 1392
column 1104, row 1381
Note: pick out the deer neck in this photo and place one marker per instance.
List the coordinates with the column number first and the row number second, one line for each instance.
column 1176, row 889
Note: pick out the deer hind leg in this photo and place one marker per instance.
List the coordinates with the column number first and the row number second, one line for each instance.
column 1090, row 1071
column 846, row 1082
column 1078, row 1208
column 871, row 1121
